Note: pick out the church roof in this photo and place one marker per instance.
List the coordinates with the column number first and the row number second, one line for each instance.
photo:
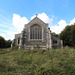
column 36, row 19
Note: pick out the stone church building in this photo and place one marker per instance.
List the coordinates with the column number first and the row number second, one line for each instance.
column 36, row 34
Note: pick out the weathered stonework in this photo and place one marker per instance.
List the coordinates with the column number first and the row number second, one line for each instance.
column 24, row 42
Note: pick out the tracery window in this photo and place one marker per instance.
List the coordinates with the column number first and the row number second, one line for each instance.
column 35, row 32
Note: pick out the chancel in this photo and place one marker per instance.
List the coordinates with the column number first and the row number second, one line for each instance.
column 36, row 33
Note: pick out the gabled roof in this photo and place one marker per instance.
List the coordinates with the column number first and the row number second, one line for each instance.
column 36, row 19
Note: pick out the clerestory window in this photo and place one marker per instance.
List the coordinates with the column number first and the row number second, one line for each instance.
column 35, row 32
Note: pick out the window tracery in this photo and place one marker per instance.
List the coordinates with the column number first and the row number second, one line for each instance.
column 35, row 32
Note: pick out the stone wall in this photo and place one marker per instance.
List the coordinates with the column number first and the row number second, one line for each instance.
column 44, row 26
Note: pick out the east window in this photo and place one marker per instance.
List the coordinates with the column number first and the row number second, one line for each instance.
column 35, row 32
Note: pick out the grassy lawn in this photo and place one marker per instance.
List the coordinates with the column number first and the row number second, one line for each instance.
column 37, row 62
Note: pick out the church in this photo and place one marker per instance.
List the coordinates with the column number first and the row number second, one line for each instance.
column 36, row 34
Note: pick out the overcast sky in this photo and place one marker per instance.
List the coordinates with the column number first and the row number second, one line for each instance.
column 14, row 14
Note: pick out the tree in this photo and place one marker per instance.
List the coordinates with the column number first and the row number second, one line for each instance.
column 73, row 38
column 53, row 33
column 73, row 35
column 5, row 43
column 2, row 42
column 8, row 43
column 66, row 36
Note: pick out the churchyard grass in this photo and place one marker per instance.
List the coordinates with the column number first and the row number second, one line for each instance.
column 37, row 62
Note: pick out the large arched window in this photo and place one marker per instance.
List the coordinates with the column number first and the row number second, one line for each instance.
column 35, row 32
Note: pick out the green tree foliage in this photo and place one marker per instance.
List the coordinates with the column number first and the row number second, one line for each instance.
column 4, row 43
column 55, row 34
column 8, row 43
column 68, row 36
column 73, row 38
column 73, row 35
